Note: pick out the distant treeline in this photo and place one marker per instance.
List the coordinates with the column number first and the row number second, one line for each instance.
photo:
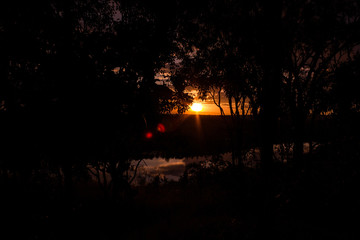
column 189, row 135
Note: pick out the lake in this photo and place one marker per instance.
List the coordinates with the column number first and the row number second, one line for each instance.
column 173, row 168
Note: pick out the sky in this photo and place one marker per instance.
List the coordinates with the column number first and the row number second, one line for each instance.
column 209, row 107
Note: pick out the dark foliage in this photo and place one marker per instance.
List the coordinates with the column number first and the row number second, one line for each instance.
column 87, row 89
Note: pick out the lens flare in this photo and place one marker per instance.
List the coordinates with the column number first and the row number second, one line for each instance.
column 148, row 135
column 161, row 128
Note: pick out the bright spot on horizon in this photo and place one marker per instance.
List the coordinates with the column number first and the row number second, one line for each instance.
column 196, row 107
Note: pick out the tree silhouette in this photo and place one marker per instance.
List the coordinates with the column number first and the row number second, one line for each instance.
column 74, row 73
column 233, row 55
column 320, row 36
column 260, row 51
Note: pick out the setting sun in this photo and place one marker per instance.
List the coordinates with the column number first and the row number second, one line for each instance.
column 196, row 107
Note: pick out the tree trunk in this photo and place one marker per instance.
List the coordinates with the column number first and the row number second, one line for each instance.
column 271, row 79
column 270, row 101
column 68, row 183
column 299, row 139
column 238, row 141
column 311, row 136
column 67, row 113
column 7, row 100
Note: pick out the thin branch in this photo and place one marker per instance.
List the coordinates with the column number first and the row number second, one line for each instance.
column 94, row 174
column 222, row 113
column 135, row 171
column 230, row 105
column 218, row 104
column 103, row 170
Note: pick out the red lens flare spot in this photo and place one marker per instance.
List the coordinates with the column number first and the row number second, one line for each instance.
column 148, row 135
column 161, row 128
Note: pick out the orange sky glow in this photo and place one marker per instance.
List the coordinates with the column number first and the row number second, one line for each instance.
column 208, row 106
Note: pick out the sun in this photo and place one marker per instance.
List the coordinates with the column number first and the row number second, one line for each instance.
column 196, row 107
